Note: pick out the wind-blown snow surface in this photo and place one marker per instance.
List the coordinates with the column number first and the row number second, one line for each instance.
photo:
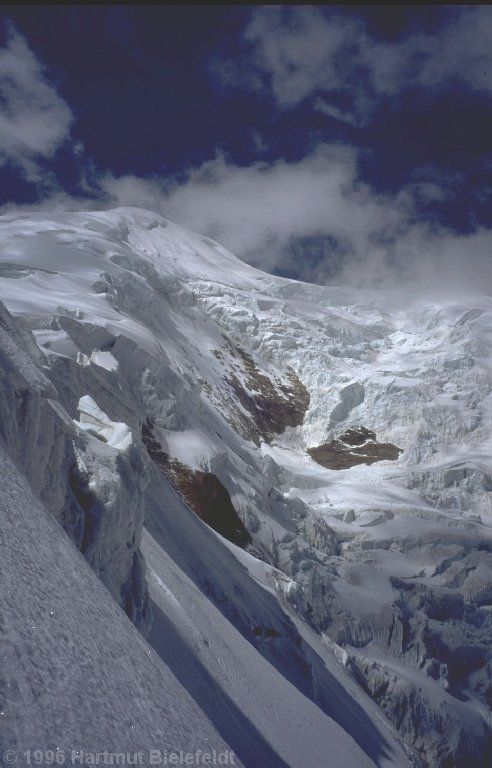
column 360, row 613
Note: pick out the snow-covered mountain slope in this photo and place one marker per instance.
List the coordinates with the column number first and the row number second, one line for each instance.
column 332, row 604
column 75, row 673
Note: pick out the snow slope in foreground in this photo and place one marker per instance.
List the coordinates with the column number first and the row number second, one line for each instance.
column 75, row 673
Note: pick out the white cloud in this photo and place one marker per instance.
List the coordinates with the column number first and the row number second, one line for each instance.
column 259, row 144
column 257, row 210
column 316, row 221
column 297, row 49
column 299, row 52
column 343, row 116
column 312, row 220
column 462, row 52
column 34, row 119
column 132, row 191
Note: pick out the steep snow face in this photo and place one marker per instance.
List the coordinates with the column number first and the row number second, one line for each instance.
column 76, row 676
column 166, row 351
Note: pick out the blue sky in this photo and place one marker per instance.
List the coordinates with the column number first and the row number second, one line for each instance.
column 326, row 143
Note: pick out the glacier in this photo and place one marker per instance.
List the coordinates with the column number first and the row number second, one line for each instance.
column 162, row 405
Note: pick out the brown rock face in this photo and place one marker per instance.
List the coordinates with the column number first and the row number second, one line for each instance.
column 201, row 491
column 272, row 404
column 358, row 445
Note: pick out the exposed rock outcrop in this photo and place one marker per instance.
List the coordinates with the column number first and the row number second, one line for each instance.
column 358, row 445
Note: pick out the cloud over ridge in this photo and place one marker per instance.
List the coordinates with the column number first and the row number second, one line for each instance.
column 313, row 216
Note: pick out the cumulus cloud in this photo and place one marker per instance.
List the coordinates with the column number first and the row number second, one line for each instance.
column 258, row 210
column 297, row 50
column 300, row 52
column 423, row 261
column 132, row 191
column 34, row 120
column 314, row 220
